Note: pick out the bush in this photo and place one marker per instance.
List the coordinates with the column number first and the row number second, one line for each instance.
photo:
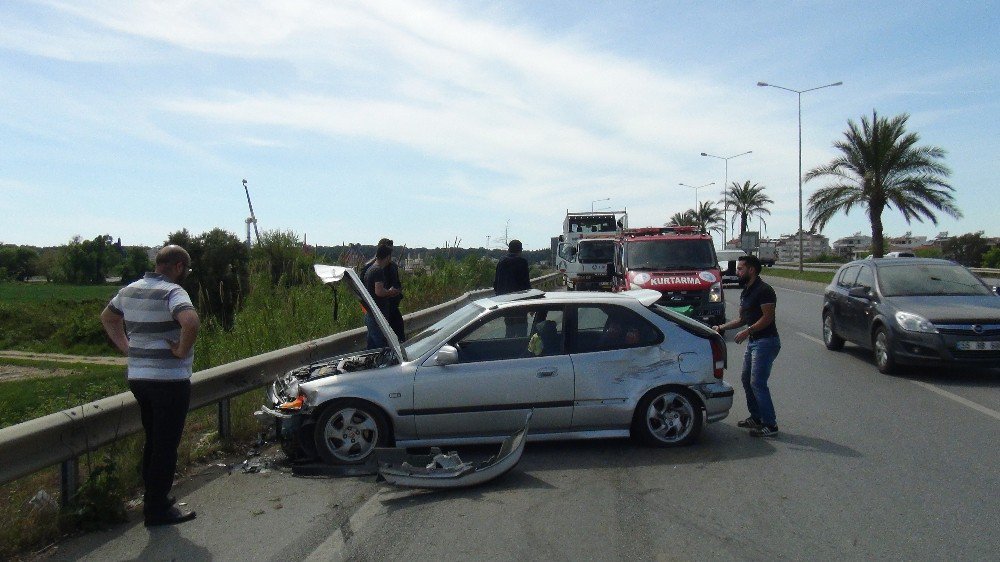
column 992, row 258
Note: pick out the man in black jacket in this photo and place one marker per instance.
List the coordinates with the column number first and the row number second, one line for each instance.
column 512, row 271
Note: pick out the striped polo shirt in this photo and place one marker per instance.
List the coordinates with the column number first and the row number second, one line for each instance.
column 150, row 306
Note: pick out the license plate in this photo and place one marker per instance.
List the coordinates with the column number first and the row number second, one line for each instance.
column 978, row 345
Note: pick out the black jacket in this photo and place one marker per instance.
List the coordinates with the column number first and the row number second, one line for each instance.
column 511, row 275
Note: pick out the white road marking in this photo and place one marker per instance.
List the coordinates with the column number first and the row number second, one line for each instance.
column 963, row 401
column 810, row 338
column 969, row 403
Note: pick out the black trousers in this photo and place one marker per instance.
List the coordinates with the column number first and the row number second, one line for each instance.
column 163, row 406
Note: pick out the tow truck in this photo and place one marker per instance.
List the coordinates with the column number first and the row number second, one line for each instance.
column 678, row 261
column 586, row 246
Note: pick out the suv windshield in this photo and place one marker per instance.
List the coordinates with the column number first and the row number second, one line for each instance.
column 596, row 251
column 929, row 279
column 422, row 342
column 670, row 254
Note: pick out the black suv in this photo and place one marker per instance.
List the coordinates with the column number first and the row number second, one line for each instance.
column 913, row 311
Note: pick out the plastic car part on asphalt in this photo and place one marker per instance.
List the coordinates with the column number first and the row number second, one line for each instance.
column 447, row 470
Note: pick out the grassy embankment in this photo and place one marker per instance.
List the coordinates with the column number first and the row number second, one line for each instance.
column 818, row 276
column 52, row 318
column 272, row 317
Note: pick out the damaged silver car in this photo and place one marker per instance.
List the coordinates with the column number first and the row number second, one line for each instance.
column 589, row 365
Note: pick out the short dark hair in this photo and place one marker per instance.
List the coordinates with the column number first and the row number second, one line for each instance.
column 383, row 252
column 751, row 261
column 385, row 242
column 514, row 246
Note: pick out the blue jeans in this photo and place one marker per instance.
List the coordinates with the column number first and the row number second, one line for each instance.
column 375, row 338
column 757, row 362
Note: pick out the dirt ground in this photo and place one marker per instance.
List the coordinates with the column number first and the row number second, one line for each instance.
column 15, row 372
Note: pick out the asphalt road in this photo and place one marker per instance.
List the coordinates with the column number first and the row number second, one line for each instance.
column 866, row 466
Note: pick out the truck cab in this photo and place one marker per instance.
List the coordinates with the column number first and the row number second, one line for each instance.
column 679, row 262
column 586, row 247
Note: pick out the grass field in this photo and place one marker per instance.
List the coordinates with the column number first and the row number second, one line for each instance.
column 820, row 276
column 46, row 292
column 29, row 398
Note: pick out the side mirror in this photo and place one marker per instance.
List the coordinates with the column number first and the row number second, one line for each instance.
column 447, row 355
column 859, row 292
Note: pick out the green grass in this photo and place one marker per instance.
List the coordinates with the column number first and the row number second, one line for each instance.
column 820, row 276
column 46, row 292
column 29, row 398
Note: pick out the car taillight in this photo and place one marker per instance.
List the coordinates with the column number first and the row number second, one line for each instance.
column 718, row 357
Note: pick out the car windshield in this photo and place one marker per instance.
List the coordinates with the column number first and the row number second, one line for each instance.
column 929, row 279
column 670, row 254
column 596, row 251
column 425, row 339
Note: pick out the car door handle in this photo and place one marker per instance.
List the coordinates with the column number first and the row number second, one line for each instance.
column 547, row 373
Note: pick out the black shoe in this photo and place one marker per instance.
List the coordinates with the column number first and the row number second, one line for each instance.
column 765, row 431
column 749, row 423
column 171, row 516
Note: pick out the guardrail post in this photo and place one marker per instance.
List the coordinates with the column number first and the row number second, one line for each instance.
column 225, row 428
column 69, row 480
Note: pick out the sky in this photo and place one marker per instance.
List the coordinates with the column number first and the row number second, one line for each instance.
column 467, row 121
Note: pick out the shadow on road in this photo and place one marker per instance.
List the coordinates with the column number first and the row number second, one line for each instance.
column 971, row 377
column 167, row 542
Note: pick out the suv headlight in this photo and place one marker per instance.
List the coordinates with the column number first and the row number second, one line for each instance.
column 915, row 323
column 715, row 293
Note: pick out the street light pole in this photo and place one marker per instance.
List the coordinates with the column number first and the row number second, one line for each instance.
column 725, row 194
column 696, row 188
column 799, row 92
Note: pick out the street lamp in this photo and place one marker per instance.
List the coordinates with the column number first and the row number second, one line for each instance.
column 597, row 201
column 799, row 92
column 696, row 188
column 725, row 193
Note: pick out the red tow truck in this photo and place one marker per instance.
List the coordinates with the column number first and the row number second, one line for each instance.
column 677, row 261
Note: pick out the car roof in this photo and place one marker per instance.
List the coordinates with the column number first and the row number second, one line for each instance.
column 894, row 262
column 645, row 297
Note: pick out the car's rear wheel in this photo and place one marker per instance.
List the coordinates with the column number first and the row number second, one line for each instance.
column 830, row 338
column 885, row 360
column 668, row 418
column 348, row 431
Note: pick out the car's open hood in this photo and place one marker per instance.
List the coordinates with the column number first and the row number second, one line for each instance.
column 333, row 273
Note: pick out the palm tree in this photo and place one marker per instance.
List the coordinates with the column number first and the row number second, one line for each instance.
column 683, row 219
column 708, row 217
column 747, row 200
column 880, row 166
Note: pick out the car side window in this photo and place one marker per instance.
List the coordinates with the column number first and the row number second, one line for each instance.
column 866, row 278
column 602, row 328
column 512, row 334
column 847, row 277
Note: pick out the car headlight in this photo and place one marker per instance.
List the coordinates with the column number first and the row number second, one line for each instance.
column 715, row 293
column 915, row 323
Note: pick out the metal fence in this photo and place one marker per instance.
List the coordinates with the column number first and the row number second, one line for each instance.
column 64, row 436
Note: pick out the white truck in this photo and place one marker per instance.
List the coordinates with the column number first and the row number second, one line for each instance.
column 586, row 246
column 767, row 253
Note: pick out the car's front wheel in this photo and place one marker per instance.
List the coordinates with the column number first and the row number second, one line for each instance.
column 348, row 431
column 830, row 338
column 668, row 418
column 885, row 360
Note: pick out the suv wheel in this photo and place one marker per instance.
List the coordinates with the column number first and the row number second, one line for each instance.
column 830, row 338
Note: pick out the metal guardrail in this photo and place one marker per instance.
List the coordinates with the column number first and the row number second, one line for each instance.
column 64, row 436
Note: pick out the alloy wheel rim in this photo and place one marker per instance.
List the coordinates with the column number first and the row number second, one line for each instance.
column 350, row 434
column 670, row 417
column 881, row 350
column 827, row 329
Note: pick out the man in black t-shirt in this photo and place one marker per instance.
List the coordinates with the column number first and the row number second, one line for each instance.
column 376, row 282
column 512, row 276
column 757, row 305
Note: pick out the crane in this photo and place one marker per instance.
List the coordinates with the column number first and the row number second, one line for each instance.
column 251, row 219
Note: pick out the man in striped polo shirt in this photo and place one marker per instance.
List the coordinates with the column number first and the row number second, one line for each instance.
column 153, row 322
